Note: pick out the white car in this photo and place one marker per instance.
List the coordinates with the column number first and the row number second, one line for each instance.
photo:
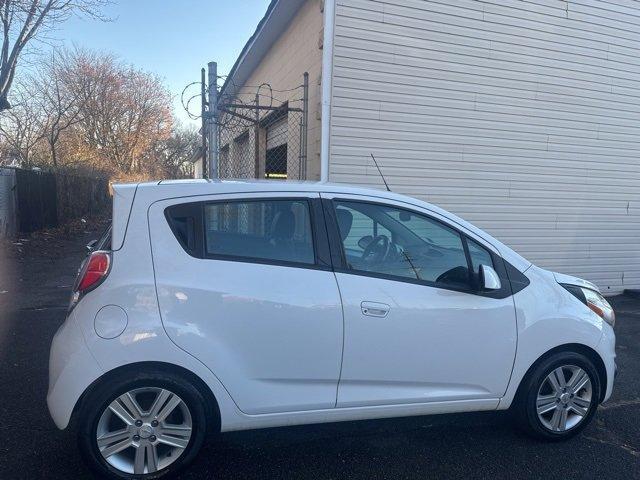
column 215, row 306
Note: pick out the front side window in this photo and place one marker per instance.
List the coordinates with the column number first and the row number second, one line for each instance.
column 391, row 241
column 275, row 230
column 479, row 255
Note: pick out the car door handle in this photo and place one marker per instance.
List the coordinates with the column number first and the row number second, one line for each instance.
column 374, row 309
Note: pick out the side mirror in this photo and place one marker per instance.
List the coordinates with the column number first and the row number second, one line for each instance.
column 489, row 279
column 91, row 245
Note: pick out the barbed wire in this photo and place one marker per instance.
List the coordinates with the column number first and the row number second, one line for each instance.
column 240, row 104
column 185, row 105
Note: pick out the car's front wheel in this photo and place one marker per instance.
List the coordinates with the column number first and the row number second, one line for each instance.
column 146, row 427
column 559, row 397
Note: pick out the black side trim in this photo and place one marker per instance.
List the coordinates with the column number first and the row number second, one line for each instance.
column 576, row 292
column 338, row 259
column 186, row 222
column 518, row 279
column 471, row 277
column 319, row 232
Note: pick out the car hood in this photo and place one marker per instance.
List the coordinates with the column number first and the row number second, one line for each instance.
column 570, row 280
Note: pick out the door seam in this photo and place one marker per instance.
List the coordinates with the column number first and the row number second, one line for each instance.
column 335, row 405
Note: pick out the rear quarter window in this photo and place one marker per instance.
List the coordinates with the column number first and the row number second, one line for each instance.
column 260, row 230
column 276, row 230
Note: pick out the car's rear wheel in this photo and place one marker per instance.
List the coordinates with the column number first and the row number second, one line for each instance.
column 146, row 427
column 559, row 397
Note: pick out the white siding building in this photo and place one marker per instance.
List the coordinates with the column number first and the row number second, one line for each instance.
column 521, row 116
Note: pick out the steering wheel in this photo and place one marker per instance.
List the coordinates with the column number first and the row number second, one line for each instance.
column 377, row 249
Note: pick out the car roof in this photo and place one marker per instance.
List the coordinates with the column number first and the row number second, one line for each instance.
column 188, row 187
column 257, row 185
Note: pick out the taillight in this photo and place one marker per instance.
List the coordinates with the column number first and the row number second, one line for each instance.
column 95, row 270
column 92, row 273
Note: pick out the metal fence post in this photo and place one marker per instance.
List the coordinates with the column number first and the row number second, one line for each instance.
column 305, row 124
column 203, row 120
column 212, row 131
column 256, row 134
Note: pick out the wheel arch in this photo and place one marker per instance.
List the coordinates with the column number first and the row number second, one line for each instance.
column 585, row 350
column 153, row 367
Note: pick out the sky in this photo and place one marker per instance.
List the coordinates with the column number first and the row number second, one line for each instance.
column 171, row 38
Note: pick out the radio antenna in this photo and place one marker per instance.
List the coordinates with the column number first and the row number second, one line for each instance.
column 380, row 172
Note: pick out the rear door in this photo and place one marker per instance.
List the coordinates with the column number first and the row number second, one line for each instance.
column 245, row 285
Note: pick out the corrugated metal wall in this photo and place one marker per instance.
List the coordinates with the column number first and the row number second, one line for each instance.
column 521, row 116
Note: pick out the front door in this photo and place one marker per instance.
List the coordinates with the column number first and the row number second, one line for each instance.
column 417, row 329
column 244, row 284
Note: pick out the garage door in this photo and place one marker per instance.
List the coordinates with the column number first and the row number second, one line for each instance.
column 276, row 159
column 277, row 133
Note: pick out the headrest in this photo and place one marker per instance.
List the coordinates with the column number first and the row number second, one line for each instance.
column 283, row 225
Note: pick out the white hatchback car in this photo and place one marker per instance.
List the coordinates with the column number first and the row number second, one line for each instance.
column 218, row 306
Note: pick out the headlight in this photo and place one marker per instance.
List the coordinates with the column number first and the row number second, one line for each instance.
column 599, row 305
column 596, row 302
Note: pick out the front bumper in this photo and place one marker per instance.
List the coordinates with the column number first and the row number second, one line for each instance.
column 72, row 369
column 607, row 351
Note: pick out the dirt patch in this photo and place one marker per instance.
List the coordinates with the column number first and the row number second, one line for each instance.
column 36, row 267
column 53, row 242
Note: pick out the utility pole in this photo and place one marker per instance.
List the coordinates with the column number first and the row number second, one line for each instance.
column 203, row 119
column 212, row 115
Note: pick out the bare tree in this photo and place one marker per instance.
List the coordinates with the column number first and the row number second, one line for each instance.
column 22, row 128
column 24, row 20
column 173, row 156
column 88, row 110
column 127, row 111
column 62, row 97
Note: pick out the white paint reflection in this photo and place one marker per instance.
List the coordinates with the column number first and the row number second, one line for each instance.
column 182, row 297
column 143, row 336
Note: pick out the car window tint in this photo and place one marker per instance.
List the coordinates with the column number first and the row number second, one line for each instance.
column 431, row 231
column 479, row 255
column 403, row 244
column 278, row 230
column 362, row 227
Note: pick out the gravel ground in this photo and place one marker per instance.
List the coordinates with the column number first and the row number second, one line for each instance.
column 35, row 278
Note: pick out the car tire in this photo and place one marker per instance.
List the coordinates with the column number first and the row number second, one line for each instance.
column 98, row 403
column 548, row 410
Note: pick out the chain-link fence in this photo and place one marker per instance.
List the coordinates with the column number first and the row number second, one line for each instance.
column 262, row 132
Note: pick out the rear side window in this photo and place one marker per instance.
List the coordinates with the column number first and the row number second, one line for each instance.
column 271, row 230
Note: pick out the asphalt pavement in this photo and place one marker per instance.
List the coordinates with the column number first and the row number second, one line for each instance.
column 35, row 279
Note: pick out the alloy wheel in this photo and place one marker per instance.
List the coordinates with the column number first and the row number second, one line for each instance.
column 564, row 398
column 144, row 430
